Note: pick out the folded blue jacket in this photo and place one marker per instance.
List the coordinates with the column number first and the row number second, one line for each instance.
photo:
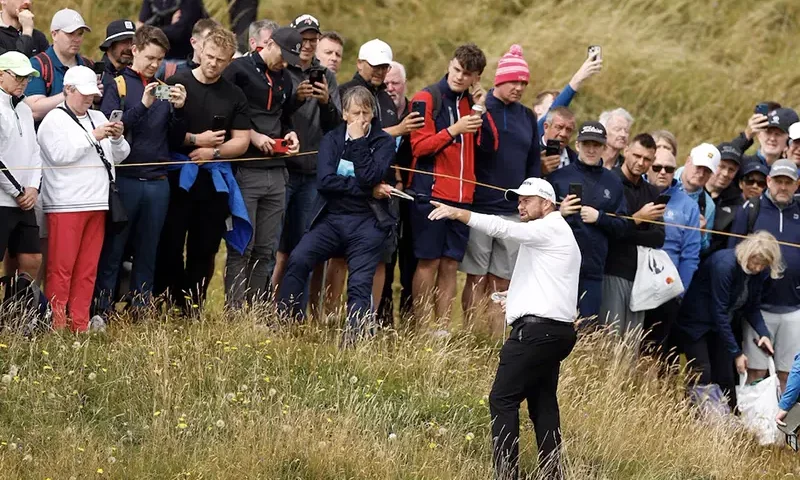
column 239, row 236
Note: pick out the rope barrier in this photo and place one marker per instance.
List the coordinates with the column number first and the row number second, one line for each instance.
column 396, row 167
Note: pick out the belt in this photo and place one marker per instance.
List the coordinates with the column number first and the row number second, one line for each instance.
column 526, row 319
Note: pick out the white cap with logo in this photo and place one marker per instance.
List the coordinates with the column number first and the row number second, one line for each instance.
column 83, row 79
column 706, row 155
column 376, row 52
column 534, row 187
column 68, row 20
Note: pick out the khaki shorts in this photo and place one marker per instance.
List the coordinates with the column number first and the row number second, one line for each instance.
column 785, row 331
column 488, row 255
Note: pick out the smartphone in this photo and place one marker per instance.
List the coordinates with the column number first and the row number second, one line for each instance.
column 419, row 107
column 161, row 92
column 218, row 123
column 99, row 67
column 576, row 189
column 762, row 108
column 116, row 116
column 281, row 146
column 553, row 148
column 595, row 52
column 662, row 199
column 316, row 75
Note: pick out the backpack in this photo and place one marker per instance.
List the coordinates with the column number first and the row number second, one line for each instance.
column 436, row 95
column 24, row 306
column 122, row 90
column 47, row 69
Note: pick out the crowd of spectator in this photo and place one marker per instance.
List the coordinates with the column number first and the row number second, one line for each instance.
column 122, row 177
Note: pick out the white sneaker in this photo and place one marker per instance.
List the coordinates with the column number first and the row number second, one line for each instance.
column 97, row 324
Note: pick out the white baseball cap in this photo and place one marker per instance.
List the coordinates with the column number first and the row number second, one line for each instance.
column 82, row 78
column 534, row 187
column 794, row 131
column 68, row 20
column 706, row 155
column 376, row 52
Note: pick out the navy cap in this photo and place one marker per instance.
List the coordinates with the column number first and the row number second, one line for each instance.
column 782, row 118
column 754, row 166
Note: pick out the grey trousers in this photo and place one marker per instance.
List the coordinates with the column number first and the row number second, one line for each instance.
column 247, row 276
column 614, row 308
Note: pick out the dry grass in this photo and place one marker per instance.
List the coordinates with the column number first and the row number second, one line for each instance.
column 233, row 398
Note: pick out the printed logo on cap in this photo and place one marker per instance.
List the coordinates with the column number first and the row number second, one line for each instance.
column 710, row 154
column 129, row 25
column 606, row 194
column 591, row 129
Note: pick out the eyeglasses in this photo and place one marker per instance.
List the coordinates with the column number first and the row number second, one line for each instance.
column 18, row 78
column 657, row 169
column 755, row 181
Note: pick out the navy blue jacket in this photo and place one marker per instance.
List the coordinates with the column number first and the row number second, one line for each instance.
column 712, row 295
column 146, row 129
column 782, row 295
column 602, row 189
column 346, row 188
column 511, row 155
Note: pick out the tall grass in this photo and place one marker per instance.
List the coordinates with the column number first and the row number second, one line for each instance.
column 235, row 398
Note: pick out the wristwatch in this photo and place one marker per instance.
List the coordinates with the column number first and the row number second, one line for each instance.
column 192, row 139
column 217, row 155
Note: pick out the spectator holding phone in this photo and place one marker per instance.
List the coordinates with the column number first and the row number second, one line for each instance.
column 772, row 133
column 681, row 244
column 17, row 32
column 145, row 190
column 508, row 153
column 446, row 144
column 262, row 75
column 76, row 199
column 559, row 124
column 642, row 198
column 587, row 191
column 205, row 201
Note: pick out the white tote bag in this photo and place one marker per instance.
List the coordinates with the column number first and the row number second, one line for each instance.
column 656, row 282
column 758, row 405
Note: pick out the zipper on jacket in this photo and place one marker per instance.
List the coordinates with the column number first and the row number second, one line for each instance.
column 19, row 125
column 461, row 170
column 781, row 221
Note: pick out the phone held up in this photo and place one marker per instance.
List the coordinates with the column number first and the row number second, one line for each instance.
column 316, row 75
column 161, row 92
column 662, row 199
column 762, row 108
column 281, row 146
column 595, row 52
column 116, row 116
column 553, row 147
column 419, row 107
column 576, row 189
column 218, row 123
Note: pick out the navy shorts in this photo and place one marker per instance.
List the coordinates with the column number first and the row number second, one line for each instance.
column 442, row 238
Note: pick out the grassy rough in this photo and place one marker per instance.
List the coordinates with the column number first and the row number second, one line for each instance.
column 235, row 398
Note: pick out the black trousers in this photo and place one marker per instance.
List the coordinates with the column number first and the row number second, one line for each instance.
column 195, row 220
column 711, row 360
column 529, row 364
column 658, row 326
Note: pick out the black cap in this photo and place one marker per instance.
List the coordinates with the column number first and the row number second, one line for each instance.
column 592, row 132
column 729, row 151
column 290, row 42
column 117, row 31
column 754, row 166
column 782, row 118
column 304, row 23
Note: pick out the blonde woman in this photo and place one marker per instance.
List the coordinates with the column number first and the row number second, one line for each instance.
column 727, row 284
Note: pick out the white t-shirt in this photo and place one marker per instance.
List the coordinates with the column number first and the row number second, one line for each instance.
column 545, row 278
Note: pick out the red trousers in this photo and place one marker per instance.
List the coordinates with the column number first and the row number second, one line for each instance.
column 74, row 242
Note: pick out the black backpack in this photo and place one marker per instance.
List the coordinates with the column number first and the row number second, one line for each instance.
column 24, row 307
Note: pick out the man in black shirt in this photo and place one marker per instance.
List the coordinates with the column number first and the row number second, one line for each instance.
column 622, row 258
column 268, row 88
column 16, row 29
column 217, row 127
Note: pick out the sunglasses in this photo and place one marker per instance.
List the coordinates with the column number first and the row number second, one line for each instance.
column 755, row 181
column 657, row 168
column 18, row 78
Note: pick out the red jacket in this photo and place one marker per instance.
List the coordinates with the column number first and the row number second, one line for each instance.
column 434, row 150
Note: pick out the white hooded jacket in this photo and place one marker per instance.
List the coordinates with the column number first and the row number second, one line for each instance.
column 19, row 150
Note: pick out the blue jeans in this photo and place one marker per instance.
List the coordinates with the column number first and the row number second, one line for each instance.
column 146, row 203
column 301, row 195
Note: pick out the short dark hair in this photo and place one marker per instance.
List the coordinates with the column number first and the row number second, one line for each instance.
column 772, row 105
column 147, row 34
column 544, row 94
column 471, row 58
column 333, row 36
column 646, row 140
column 204, row 25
